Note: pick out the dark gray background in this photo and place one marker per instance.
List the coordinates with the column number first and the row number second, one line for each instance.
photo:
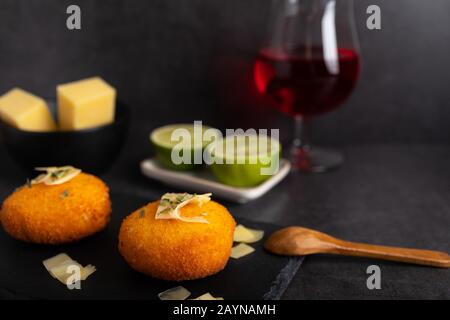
column 180, row 60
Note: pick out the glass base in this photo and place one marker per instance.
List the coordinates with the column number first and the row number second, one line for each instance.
column 315, row 159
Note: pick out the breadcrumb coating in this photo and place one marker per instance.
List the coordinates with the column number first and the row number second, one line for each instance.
column 177, row 250
column 59, row 213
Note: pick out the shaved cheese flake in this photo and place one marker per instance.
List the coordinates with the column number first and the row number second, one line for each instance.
column 61, row 176
column 171, row 203
column 246, row 235
column 46, row 169
column 87, row 271
column 60, row 271
column 55, row 261
column 40, row 178
column 58, row 267
column 241, row 250
column 177, row 293
column 55, row 175
column 207, row 296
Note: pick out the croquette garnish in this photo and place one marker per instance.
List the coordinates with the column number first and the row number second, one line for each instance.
column 166, row 201
column 29, row 185
column 166, row 210
column 142, row 213
column 183, row 197
column 55, row 175
column 65, row 194
column 171, row 203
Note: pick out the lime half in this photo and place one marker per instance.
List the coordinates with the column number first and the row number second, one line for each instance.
column 245, row 160
column 179, row 146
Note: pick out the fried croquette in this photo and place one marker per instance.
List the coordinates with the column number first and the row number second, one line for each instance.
column 57, row 214
column 176, row 250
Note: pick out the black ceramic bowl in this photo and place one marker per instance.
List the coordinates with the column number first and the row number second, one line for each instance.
column 92, row 150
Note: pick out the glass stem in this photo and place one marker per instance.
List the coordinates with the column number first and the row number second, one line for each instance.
column 301, row 133
column 300, row 148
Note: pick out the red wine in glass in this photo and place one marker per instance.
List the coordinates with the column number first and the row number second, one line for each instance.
column 309, row 65
column 303, row 83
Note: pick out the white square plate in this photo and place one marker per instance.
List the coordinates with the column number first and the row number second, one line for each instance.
column 203, row 181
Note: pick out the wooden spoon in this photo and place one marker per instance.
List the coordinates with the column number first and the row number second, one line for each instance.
column 293, row 241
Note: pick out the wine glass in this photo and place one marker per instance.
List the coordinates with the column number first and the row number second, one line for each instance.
column 309, row 65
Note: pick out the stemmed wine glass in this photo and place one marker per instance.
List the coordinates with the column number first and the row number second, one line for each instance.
column 309, row 65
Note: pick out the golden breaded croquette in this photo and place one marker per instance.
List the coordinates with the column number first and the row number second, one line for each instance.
column 176, row 250
column 56, row 214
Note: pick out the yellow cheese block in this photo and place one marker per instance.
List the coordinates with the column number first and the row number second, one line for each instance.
column 85, row 104
column 25, row 111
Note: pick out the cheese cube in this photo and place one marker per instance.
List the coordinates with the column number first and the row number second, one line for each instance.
column 85, row 104
column 25, row 111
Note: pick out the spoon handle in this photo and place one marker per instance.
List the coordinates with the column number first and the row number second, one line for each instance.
column 415, row 256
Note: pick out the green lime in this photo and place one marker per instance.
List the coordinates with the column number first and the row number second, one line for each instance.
column 245, row 160
column 177, row 145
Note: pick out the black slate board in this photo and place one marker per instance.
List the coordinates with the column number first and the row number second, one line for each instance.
column 22, row 275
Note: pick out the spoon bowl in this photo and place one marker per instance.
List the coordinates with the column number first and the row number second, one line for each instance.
column 299, row 241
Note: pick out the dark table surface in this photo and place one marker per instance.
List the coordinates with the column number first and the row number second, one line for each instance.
column 384, row 194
